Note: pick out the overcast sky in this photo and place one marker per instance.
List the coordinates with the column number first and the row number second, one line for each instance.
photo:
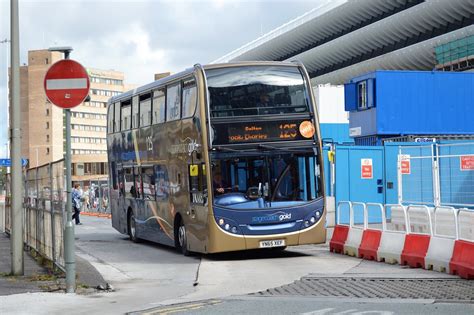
column 141, row 38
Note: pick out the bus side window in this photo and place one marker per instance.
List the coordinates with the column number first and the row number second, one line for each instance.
column 126, row 115
column 110, row 118
column 121, row 183
column 138, row 182
column 148, row 180
column 135, row 113
column 189, row 98
column 162, row 182
column 159, row 106
column 129, row 185
column 173, row 102
column 116, row 118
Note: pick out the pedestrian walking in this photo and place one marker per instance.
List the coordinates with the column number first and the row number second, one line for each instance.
column 76, row 203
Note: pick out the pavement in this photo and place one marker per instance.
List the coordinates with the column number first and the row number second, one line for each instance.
column 37, row 278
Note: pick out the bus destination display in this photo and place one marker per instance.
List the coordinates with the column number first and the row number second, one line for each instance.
column 258, row 132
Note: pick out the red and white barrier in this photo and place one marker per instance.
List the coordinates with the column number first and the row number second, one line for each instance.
column 429, row 250
column 339, row 236
column 392, row 242
column 354, row 237
column 370, row 242
column 462, row 261
column 441, row 247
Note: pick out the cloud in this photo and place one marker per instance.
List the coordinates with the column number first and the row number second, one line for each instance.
column 141, row 38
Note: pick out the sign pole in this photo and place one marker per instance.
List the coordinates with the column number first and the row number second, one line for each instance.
column 15, row 134
column 69, row 246
column 67, row 85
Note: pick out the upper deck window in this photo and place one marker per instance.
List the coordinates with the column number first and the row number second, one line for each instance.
column 159, row 106
column 256, row 90
column 173, row 102
column 126, row 115
column 110, row 118
column 117, row 117
column 135, row 112
column 189, row 98
column 145, row 110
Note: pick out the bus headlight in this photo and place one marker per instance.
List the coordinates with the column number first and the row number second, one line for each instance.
column 234, row 229
column 221, row 221
column 312, row 220
column 227, row 226
column 306, row 223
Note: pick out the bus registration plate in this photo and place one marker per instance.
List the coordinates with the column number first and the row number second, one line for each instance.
column 272, row 243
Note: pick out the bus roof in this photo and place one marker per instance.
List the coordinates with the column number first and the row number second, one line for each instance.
column 155, row 84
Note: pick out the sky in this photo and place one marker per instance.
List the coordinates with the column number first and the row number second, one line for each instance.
column 140, row 38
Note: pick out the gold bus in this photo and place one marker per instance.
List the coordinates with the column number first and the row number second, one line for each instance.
column 218, row 158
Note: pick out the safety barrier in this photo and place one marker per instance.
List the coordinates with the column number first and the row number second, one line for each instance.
column 371, row 237
column 416, row 244
column 354, row 237
column 339, row 235
column 441, row 247
column 430, row 250
column 462, row 262
column 392, row 241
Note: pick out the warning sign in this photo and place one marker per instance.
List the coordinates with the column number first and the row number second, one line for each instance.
column 467, row 163
column 366, row 169
column 405, row 164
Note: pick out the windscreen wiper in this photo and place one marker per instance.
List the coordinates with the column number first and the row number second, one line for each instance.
column 220, row 148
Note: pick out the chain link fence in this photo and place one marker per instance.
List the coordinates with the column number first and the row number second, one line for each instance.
column 44, row 210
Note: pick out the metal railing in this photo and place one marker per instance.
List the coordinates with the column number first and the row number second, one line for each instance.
column 461, row 227
column 44, row 206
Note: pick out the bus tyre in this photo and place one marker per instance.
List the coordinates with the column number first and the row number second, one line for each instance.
column 182, row 241
column 132, row 227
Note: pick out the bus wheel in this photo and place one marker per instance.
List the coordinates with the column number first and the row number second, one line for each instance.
column 132, row 227
column 182, row 243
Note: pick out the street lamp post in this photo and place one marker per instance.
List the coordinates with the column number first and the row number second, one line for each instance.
column 17, row 257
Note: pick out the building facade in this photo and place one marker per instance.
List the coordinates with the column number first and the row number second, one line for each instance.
column 43, row 124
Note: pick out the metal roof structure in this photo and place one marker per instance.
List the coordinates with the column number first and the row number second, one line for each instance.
column 343, row 38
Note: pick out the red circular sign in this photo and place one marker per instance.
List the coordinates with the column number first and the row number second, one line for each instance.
column 66, row 83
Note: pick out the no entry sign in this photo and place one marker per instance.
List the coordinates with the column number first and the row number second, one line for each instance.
column 66, row 83
column 405, row 164
column 467, row 162
column 366, row 169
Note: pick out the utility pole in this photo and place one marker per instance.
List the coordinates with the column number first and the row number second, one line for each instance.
column 15, row 134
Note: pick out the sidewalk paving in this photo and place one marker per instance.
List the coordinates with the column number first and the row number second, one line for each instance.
column 39, row 279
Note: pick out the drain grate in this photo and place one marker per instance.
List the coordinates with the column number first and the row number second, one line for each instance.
column 438, row 289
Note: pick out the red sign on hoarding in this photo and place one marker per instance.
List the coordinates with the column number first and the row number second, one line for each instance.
column 467, row 163
column 366, row 169
column 405, row 165
column 66, row 83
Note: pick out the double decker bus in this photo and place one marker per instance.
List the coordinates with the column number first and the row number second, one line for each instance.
column 218, row 158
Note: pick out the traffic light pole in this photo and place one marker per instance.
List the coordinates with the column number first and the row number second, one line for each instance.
column 15, row 134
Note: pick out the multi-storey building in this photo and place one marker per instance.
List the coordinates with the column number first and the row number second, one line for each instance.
column 43, row 123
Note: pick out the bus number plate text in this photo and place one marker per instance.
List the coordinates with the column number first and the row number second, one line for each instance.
column 272, row 243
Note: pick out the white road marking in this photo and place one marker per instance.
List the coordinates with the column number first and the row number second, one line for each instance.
column 319, row 312
column 63, row 84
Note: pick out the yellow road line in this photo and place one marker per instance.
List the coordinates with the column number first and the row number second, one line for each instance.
column 176, row 309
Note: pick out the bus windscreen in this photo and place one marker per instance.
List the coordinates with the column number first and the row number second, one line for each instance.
column 256, row 90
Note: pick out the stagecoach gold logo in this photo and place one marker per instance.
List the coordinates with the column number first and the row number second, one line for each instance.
column 188, row 146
